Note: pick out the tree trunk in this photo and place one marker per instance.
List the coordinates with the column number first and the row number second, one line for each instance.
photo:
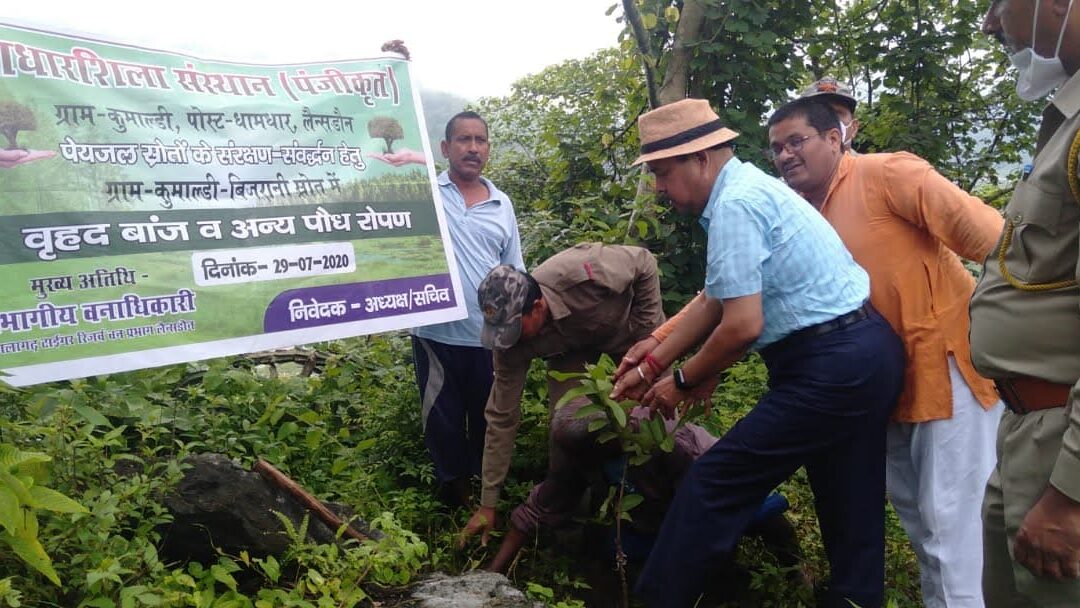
column 687, row 34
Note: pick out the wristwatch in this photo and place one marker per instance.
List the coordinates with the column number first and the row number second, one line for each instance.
column 680, row 380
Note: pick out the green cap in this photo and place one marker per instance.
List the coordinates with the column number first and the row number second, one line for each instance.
column 501, row 295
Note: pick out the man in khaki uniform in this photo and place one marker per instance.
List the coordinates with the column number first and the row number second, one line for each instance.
column 584, row 301
column 1025, row 327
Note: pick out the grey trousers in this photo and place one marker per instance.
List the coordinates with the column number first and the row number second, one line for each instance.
column 1027, row 448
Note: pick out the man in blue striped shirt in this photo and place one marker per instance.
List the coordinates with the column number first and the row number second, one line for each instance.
column 778, row 281
column 453, row 369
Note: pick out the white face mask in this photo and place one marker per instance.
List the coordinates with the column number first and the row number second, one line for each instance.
column 1039, row 75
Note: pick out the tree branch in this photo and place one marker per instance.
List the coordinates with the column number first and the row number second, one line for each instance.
column 641, row 36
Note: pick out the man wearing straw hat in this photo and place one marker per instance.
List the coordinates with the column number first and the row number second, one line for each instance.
column 778, row 281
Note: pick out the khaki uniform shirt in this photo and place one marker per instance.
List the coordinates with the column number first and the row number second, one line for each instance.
column 602, row 299
column 1036, row 332
column 902, row 222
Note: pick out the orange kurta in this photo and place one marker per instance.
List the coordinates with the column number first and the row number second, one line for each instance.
column 902, row 222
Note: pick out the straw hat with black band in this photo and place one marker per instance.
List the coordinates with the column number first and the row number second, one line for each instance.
column 683, row 127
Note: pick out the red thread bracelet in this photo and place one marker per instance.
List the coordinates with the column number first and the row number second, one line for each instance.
column 654, row 365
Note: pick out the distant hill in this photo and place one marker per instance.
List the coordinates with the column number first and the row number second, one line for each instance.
column 438, row 108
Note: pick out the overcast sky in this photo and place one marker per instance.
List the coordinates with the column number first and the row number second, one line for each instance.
column 472, row 48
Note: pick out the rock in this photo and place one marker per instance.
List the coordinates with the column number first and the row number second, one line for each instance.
column 220, row 505
column 477, row 589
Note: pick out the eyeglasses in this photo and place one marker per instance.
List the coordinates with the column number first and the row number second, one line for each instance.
column 792, row 145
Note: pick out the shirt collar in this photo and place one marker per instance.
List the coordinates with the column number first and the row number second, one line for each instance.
column 727, row 174
column 1067, row 99
column 444, row 180
column 555, row 303
column 847, row 161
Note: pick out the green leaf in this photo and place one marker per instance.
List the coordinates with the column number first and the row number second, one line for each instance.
column 656, row 429
column 596, row 425
column 668, row 444
column 10, row 515
column 629, row 501
column 587, row 410
column 314, row 439
column 16, row 486
column 286, row 430
column 29, row 549
column 94, row 417
column 574, row 393
column 606, row 437
column 309, row 417
column 564, row 376
column 11, row 458
column 618, row 413
column 271, row 568
column 51, row 500
column 221, row 575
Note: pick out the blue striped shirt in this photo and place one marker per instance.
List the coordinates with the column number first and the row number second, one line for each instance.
column 484, row 236
column 764, row 238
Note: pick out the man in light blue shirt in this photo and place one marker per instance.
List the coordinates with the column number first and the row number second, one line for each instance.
column 453, row 370
column 778, row 281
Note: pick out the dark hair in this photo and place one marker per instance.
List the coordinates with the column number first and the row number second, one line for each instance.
column 467, row 114
column 817, row 113
column 532, row 296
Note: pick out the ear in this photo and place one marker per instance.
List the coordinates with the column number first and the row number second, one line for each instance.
column 445, row 147
column 853, row 130
column 541, row 308
column 833, row 136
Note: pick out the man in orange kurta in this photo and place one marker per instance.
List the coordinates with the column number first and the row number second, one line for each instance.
column 904, row 223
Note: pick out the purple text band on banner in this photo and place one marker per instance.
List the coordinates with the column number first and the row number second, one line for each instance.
column 332, row 304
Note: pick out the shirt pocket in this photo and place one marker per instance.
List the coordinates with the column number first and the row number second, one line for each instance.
column 1039, row 251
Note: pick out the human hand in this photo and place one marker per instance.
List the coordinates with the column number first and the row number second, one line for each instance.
column 634, row 384
column 1048, row 542
column 399, row 158
column 667, row 398
column 635, row 355
column 11, row 158
column 482, row 521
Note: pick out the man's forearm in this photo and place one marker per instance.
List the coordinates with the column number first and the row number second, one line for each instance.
column 695, row 322
column 742, row 323
column 503, row 416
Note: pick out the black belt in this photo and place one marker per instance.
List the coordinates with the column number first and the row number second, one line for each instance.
column 825, row 327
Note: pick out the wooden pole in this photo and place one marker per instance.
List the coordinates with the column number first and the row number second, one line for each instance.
column 279, row 479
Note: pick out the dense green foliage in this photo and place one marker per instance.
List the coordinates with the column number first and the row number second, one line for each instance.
column 350, row 433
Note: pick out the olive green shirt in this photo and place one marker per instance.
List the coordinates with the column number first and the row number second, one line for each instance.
column 1036, row 332
column 602, row 299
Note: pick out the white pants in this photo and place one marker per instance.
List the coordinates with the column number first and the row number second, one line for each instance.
column 936, row 473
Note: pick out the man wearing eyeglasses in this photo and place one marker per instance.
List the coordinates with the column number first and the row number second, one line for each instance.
column 905, row 223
